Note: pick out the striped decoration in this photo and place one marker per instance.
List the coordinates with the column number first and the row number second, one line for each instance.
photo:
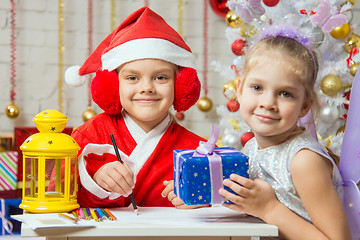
column 8, row 170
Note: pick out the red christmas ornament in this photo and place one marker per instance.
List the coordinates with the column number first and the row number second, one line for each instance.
column 246, row 137
column 219, row 7
column 233, row 105
column 237, row 47
column 347, row 96
column 271, row 3
column 180, row 116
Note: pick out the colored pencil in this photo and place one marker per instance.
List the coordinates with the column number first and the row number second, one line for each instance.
column 111, row 215
column 68, row 217
column 88, row 213
column 98, row 215
column 93, row 214
column 75, row 215
column 101, row 214
column 81, row 213
column 119, row 158
column 85, row 214
column 77, row 211
column 105, row 213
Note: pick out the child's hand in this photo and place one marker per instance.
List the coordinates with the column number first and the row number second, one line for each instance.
column 177, row 202
column 115, row 177
column 256, row 198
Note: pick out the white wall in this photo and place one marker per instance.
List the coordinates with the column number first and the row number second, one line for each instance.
column 37, row 54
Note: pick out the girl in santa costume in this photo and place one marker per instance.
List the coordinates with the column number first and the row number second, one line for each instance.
column 142, row 68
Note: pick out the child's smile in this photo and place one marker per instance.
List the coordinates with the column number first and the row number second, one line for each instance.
column 146, row 90
column 266, row 118
column 271, row 100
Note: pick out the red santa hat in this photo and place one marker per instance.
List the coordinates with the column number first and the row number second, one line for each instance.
column 142, row 35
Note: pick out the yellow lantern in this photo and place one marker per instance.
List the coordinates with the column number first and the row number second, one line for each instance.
column 49, row 166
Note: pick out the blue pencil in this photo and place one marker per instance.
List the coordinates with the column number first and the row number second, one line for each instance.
column 101, row 214
column 98, row 215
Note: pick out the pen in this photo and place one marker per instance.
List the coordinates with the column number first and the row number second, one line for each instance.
column 70, row 218
column 119, row 158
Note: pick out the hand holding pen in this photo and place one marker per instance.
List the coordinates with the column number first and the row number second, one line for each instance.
column 120, row 160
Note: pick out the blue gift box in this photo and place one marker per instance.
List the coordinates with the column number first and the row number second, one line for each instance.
column 9, row 207
column 197, row 179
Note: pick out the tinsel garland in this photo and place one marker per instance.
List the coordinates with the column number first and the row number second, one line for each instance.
column 113, row 15
column 13, row 51
column 180, row 17
column 90, row 41
column 205, row 46
column 61, row 55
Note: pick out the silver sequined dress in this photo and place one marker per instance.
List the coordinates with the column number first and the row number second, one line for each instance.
column 272, row 164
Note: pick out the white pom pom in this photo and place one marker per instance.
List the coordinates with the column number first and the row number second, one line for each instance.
column 73, row 78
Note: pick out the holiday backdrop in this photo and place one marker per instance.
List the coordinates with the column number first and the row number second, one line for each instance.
column 41, row 38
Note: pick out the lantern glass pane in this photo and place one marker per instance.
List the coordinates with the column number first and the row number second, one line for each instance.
column 73, row 177
column 31, row 177
column 54, row 178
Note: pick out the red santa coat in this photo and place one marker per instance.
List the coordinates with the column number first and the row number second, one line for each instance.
column 157, row 168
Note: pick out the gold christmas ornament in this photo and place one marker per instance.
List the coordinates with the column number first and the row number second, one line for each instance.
column 341, row 130
column 88, row 114
column 234, row 123
column 341, row 32
column 352, row 1
column 331, row 84
column 229, row 89
column 247, row 30
column 353, row 68
column 204, row 104
column 12, row 110
column 351, row 42
column 237, row 82
column 232, row 20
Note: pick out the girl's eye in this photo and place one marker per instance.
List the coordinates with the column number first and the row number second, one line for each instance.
column 161, row 78
column 286, row 94
column 256, row 88
column 131, row 78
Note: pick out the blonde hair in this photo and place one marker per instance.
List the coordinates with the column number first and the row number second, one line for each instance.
column 302, row 61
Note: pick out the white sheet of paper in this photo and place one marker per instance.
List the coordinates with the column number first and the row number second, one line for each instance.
column 173, row 216
column 147, row 215
column 49, row 220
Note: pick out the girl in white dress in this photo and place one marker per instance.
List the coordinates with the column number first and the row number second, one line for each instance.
column 294, row 183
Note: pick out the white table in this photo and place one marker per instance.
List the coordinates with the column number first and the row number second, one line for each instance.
column 165, row 223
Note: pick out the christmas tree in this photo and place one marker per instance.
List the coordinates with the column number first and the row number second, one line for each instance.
column 328, row 23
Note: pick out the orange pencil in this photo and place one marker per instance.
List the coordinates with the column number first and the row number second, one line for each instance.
column 113, row 218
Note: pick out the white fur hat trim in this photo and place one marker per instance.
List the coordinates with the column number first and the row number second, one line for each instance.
column 73, row 78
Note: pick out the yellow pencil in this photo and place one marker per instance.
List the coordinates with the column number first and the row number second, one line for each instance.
column 94, row 215
column 77, row 217
column 70, row 218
